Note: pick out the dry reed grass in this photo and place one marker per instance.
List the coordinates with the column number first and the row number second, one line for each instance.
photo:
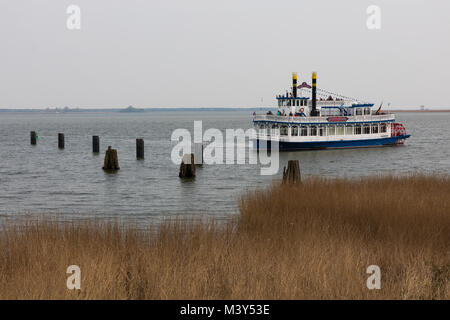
column 309, row 241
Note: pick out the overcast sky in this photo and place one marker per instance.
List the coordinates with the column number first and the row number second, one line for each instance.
column 233, row 53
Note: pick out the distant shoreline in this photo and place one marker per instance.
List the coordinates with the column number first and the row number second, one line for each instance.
column 421, row 111
column 136, row 110
column 142, row 110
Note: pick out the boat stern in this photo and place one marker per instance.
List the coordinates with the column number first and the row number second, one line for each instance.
column 398, row 131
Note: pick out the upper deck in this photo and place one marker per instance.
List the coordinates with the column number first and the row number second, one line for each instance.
column 387, row 117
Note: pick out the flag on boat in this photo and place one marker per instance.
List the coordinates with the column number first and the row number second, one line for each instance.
column 304, row 85
column 379, row 109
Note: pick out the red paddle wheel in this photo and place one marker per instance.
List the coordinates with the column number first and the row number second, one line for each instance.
column 397, row 130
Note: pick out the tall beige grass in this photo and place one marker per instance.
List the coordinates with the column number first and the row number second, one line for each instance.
column 310, row 241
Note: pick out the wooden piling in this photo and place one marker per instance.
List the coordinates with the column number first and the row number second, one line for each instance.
column 292, row 174
column 140, row 148
column 187, row 167
column 33, row 138
column 95, row 144
column 111, row 160
column 61, row 140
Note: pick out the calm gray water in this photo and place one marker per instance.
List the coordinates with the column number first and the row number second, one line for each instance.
column 70, row 183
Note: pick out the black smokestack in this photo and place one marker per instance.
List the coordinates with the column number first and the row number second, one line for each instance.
column 294, row 85
column 314, row 93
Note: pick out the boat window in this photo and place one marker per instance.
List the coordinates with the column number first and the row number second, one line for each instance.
column 358, row 111
column 335, row 112
column 366, row 129
column 358, row 129
column 294, row 131
column 340, row 129
column 262, row 127
column 366, row 110
column 375, row 128
column 332, row 130
column 304, row 131
column 322, row 131
column 313, row 131
column 383, row 128
column 284, row 130
column 349, row 130
column 268, row 130
column 275, row 130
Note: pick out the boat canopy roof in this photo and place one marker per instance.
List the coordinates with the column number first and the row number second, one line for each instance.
column 360, row 105
column 290, row 98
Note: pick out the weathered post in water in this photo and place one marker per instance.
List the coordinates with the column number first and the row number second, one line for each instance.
column 111, row 160
column 61, row 140
column 95, row 144
column 292, row 174
column 187, row 167
column 33, row 138
column 140, row 148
